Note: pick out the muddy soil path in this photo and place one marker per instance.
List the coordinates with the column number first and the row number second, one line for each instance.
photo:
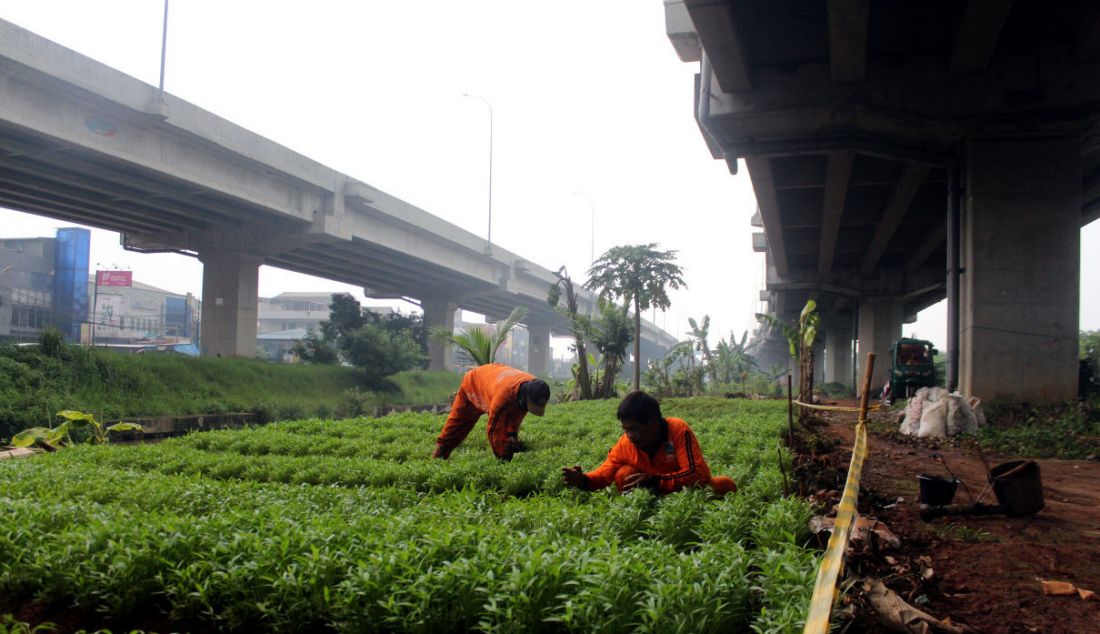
column 987, row 568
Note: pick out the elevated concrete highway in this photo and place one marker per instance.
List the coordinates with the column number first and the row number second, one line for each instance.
column 903, row 152
column 82, row 142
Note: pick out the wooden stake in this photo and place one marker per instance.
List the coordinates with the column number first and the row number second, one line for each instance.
column 782, row 469
column 790, row 414
column 866, row 395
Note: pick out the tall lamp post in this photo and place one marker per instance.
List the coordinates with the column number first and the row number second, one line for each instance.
column 592, row 211
column 489, row 235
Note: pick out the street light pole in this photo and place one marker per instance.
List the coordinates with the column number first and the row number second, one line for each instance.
column 489, row 235
column 163, row 49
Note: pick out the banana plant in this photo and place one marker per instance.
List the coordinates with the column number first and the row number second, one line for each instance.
column 801, row 342
column 85, row 426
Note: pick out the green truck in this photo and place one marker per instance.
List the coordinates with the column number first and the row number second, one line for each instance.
column 912, row 367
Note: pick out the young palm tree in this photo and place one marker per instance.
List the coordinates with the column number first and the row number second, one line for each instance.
column 478, row 343
column 640, row 275
column 700, row 332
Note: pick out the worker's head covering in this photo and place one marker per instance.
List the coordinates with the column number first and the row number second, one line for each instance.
column 535, row 394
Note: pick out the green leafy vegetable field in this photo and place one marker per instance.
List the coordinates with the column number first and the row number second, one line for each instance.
column 349, row 526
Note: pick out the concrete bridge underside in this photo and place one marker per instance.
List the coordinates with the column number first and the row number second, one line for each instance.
column 902, row 153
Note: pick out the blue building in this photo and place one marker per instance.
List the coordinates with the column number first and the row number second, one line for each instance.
column 42, row 284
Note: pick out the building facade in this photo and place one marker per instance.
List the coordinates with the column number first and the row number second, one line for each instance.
column 140, row 313
column 40, row 285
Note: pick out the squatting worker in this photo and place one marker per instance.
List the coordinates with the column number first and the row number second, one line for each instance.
column 506, row 395
column 654, row 452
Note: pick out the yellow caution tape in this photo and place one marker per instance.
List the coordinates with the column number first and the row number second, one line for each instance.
column 821, row 605
column 835, row 408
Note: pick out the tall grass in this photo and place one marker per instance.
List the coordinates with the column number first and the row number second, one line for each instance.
column 35, row 386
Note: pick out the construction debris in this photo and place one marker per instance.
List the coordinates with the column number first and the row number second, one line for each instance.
column 1066, row 589
column 898, row 616
column 16, row 452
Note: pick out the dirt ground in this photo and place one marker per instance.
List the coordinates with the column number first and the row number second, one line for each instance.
column 985, row 571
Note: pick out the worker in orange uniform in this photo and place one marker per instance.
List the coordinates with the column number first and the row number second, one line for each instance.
column 506, row 395
column 654, row 452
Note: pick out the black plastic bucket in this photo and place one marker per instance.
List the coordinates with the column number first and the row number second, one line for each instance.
column 1021, row 491
column 936, row 491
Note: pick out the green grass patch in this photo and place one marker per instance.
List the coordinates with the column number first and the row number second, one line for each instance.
column 321, row 525
column 1061, row 430
column 34, row 386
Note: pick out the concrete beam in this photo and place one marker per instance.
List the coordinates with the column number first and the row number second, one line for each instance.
column 932, row 241
column 1086, row 36
column 763, row 183
column 681, row 32
column 848, row 40
column 837, row 174
column 911, row 180
column 978, row 33
column 717, row 29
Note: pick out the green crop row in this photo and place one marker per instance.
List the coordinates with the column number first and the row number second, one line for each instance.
column 349, row 526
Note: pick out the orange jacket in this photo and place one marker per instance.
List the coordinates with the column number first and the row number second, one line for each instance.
column 494, row 390
column 678, row 462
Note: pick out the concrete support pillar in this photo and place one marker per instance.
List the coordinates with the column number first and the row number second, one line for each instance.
column 230, row 280
column 538, row 349
column 439, row 311
column 879, row 327
column 819, row 361
column 838, row 356
column 1020, row 286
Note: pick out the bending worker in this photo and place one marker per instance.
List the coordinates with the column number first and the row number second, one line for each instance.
column 506, row 395
column 654, row 452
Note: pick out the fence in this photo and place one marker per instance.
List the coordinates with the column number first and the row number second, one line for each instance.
column 832, row 563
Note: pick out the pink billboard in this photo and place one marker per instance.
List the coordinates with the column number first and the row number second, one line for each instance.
column 114, row 278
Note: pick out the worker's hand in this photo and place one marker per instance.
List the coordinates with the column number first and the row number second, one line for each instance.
column 642, row 480
column 441, row 452
column 574, row 477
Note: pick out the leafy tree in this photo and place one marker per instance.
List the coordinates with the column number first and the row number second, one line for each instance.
column 411, row 323
column 379, row 352
column 580, row 325
column 480, row 343
column 345, row 315
column 640, row 275
column 316, row 349
column 611, row 334
column 1088, row 345
column 379, row 345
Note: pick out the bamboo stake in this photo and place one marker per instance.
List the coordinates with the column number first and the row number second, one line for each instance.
column 866, row 395
column 790, row 413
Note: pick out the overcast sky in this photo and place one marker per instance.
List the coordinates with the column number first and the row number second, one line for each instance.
column 592, row 109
